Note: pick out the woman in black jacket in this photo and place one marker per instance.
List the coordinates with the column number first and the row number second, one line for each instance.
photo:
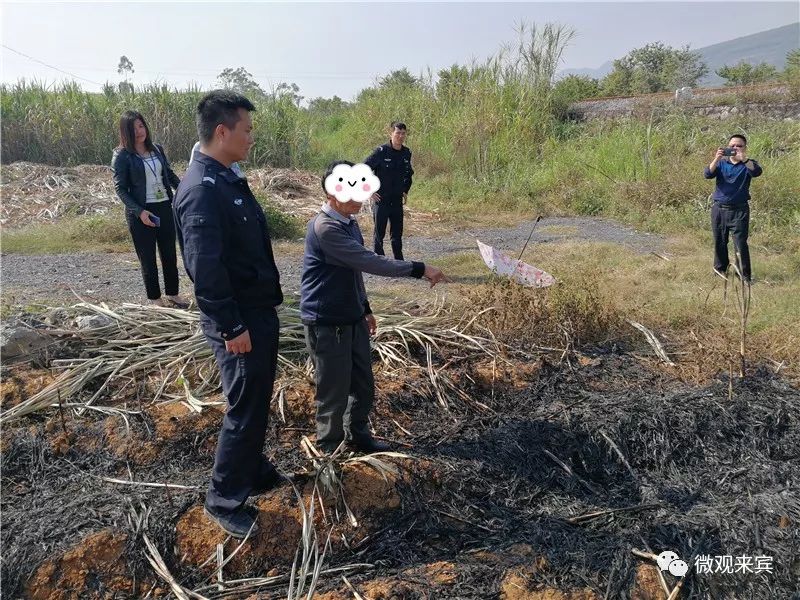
column 144, row 181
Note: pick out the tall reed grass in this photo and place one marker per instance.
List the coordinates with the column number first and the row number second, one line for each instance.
column 64, row 125
column 489, row 133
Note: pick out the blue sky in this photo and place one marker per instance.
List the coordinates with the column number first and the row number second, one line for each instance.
column 340, row 48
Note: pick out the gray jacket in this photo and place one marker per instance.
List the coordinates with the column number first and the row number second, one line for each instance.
column 332, row 285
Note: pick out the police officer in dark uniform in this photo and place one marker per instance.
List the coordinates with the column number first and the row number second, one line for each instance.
column 228, row 255
column 391, row 162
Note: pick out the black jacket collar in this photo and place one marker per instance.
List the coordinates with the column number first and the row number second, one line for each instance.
column 212, row 163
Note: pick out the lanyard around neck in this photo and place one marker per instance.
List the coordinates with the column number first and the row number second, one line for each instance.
column 151, row 167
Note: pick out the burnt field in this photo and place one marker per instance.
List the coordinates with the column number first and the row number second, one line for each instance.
column 521, row 470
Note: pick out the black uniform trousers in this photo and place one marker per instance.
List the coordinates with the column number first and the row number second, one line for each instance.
column 345, row 387
column 147, row 239
column 388, row 210
column 247, row 381
column 726, row 220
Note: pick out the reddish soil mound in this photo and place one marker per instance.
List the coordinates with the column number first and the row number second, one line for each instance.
column 383, row 588
column 299, row 406
column 520, row 583
column 368, row 494
column 94, row 568
column 173, row 422
column 22, row 382
column 438, row 573
column 647, row 585
column 517, row 585
column 275, row 542
column 366, row 490
column 490, row 374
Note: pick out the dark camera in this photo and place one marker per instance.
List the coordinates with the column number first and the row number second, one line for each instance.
column 729, row 152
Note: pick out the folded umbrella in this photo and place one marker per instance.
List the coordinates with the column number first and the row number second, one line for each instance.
column 521, row 272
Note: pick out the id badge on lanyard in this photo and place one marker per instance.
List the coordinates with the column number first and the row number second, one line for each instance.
column 158, row 188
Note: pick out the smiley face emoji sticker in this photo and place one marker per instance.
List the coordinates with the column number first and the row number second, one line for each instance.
column 356, row 183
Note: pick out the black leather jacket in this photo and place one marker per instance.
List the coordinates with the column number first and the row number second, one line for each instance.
column 130, row 180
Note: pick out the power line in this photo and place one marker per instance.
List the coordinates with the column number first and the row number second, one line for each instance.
column 50, row 66
column 215, row 72
column 275, row 75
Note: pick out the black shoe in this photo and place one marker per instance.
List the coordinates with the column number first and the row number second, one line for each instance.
column 236, row 524
column 278, row 481
column 368, row 445
column 328, row 447
column 272, row 481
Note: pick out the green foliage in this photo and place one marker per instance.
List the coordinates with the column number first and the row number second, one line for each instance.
column 654, row 68
column 791, row 74
column 281, row 225
column 125, row 66
column 327, row 107
column 240, row 81
column 793, row 63
column 743, row 73
column 488, row 132
column 573, row 88
column 401, row 78
column 107, row 233
column 64, row 125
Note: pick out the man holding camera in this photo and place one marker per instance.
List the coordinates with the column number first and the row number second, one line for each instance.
column 730, row 213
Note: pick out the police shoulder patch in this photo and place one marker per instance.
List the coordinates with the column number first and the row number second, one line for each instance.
column 209, row 181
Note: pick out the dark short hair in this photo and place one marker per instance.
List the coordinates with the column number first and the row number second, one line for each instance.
column 330, row 169
column 397, row 125
column 219, row 107
column 740, row 136
column 127, row 136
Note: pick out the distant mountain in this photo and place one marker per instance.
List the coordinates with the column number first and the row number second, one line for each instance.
column 769, row 46
column 597, row 73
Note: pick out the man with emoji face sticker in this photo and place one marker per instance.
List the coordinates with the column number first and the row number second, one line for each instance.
column 335, row 311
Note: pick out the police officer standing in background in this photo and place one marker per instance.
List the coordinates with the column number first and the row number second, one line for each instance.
column 391, row 162
column 228, row 255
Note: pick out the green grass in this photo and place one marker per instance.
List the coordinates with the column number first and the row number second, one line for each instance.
column 612, row 170
column 493, row 143
column 109, row 233
column 281, row 225
column 681, row 300
column 64, row 125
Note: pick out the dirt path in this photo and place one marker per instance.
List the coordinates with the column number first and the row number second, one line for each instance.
column 51, row 278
